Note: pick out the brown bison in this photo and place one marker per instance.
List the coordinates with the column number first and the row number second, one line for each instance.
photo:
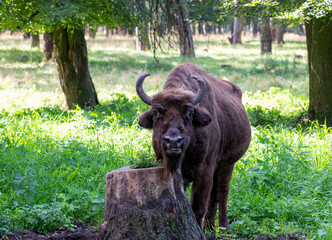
column 201, row 127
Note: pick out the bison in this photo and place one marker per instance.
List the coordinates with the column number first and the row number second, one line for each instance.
column 200, row 127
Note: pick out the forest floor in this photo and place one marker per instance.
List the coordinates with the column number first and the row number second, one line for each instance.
column 82, row 232
column 88, row 232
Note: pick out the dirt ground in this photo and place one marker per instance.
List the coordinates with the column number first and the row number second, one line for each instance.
column 82, row 232
column 87, row 232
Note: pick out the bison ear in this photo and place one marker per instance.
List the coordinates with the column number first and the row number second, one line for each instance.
column 201, row 117
column 145, row 120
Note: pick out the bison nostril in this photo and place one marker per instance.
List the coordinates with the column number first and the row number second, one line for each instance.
column 167, row 139
column 179, row 142
column 166, row 142
column 173, row 142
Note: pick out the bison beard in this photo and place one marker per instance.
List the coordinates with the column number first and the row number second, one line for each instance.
column 201, row 127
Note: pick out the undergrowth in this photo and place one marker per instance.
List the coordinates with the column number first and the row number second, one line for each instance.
column 53, row 162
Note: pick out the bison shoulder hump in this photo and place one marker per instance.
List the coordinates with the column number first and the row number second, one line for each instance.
column 228, row 86
column 237, row 91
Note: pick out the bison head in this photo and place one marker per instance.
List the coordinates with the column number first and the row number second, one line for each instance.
column 174, row 116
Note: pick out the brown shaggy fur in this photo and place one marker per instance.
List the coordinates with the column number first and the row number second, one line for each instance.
column 216, row 133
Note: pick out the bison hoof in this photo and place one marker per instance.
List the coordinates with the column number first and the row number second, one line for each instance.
column 212, row 237
column 225, row 226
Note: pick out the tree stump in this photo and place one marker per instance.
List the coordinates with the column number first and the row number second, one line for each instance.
column 142, row 204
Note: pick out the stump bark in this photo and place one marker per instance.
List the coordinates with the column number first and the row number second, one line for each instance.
column 143, row 204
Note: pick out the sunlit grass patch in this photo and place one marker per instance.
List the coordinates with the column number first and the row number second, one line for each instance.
column 13, row 100
column 276, row 107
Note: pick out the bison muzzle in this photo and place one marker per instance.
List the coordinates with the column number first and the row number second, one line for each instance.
column 201, row 127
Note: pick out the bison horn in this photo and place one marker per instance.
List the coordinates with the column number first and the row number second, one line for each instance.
column 201, row 91
column 139, row 89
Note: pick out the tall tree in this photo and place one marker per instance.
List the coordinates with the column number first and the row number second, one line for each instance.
column 35, row 40
column 255, row 26
column 142, row 39
column 237, row 31
column 203, row 12
column 72, row 63
column 319, row 45
column 261, row 10
column 169, row 18
column 67, row 20
column 317, row 15
column 142, row 32
column 166, row 19
column 280, row 30
column 184, row 31
column 26, row 36
column 48, row 46
column 265, row 37
column 91, row 31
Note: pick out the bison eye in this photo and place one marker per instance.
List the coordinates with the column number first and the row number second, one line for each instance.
column 155, row 114
column 189, row 115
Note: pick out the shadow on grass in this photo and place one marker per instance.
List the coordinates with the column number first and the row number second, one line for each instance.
column 261, row 116
column 258, row 65
column 103, row 62
column 23, row 56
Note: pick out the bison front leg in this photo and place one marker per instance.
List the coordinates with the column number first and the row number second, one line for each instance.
column 224, row 178
column 210, row 216
column 199, row 199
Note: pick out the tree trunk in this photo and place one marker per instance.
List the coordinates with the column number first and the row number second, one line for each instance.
column 266, row 37
column 255, row 26
column 319, row 47
column 26, row 36
column 237, row 32
column 35, row 40
column 48, row 46
column 183, row 26
column 273, row 31
column 208, row 28
column 280, row 30
column 144, row 204
column 204, row 28
column 214, row 27
column 193, row 28
column 142, row 39
column 200, row 27
column 91, row 31
column 121, row 30
column 230, row 28
column 107, row 31
column 72, row 63
column 219, row 29
column 301, row 30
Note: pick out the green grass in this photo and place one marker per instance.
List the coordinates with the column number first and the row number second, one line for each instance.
column 53, row 162
column 287, row 179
